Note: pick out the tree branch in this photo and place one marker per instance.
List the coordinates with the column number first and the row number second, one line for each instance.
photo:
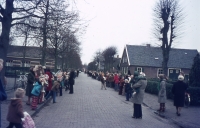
column 1, row 18
column 2, row 10
column 24, row 24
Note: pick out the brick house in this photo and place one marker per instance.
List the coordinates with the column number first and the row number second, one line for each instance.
column 14, row 60
column 148, row 59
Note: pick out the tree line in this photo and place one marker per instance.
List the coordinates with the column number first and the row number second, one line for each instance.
column 51, row 24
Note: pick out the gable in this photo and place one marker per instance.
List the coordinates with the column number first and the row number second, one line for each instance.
column 125, row 58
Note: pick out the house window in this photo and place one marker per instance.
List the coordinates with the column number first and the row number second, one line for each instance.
column 124, row 60
column 17, row 63
column 26, row 64
column 177, row 71
column 125, row 70
column 139, row 69
column 171, row 71
column 160, row 71
column 9, row 63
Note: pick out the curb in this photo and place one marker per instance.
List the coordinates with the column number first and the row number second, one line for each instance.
column 40, row 107
column 164, row 117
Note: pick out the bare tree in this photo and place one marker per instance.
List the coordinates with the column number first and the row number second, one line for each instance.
column 9, row 18
column 168, row 20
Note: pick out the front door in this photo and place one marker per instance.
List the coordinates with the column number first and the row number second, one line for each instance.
column 173, row 73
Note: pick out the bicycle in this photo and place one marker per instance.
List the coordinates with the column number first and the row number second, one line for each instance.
column 187, row 100
column 21, row 82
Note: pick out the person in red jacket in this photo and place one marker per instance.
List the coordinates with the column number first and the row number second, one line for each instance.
column 50, row 83
column 116, row 81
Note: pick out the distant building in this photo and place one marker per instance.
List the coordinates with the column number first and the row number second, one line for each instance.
column 33, row 57
column 148, row 59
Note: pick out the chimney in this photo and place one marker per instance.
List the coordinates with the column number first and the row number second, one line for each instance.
column 148, row 45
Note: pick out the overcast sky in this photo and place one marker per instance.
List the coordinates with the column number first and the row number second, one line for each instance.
column 121, row 22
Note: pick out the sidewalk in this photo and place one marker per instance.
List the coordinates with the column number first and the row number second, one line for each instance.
column 189, row 116
column 5, row 104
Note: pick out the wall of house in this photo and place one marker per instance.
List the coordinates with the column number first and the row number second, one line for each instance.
column 151, row 72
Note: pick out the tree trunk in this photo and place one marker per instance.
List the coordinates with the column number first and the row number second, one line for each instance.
column 165, row 62
column 4, row 38
column 45, row 35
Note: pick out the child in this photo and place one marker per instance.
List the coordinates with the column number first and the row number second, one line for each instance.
column 36, row 93
column 54, row 89
column 15, row 112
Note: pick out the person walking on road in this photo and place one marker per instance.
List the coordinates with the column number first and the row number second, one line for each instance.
column 178, row 90
column 162, row 93
column 29, row 87
column 139, row 95
column 15, row 111
column 103, row 81
column 71, row 81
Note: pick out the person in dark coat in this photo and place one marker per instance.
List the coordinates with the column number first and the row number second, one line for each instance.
column 29, row 87
column 128, row 89
column 3, row 95
column 178, row 90
column 121, row 85
column 77, row 73
column 71, row 81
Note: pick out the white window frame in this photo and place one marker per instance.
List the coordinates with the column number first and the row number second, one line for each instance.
column 138, row 69
column 9, row 63
column 27, row 64
column 158, row 71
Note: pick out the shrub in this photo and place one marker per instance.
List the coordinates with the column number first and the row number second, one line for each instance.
column 152, row 87
column 193, row 91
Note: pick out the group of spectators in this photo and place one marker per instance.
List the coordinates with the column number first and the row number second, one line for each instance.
column 41, row 84
column 133, row 86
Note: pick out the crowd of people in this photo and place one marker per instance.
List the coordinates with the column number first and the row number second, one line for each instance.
column 42, row 84
column 133, row 87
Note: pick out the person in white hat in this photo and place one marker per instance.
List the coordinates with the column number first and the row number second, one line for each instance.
column 178, row 90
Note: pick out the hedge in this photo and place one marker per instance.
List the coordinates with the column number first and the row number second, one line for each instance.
column 193, row 91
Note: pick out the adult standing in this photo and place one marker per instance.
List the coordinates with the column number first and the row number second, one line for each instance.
column 77, row 73
column 3, row 95
column 29, row 87
column 162, row 97
column 116, row 81
column 178, row 90
column 121, row 85
column 50, row 82
column 139, row 95
column 128, row 89
column 71, row 81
